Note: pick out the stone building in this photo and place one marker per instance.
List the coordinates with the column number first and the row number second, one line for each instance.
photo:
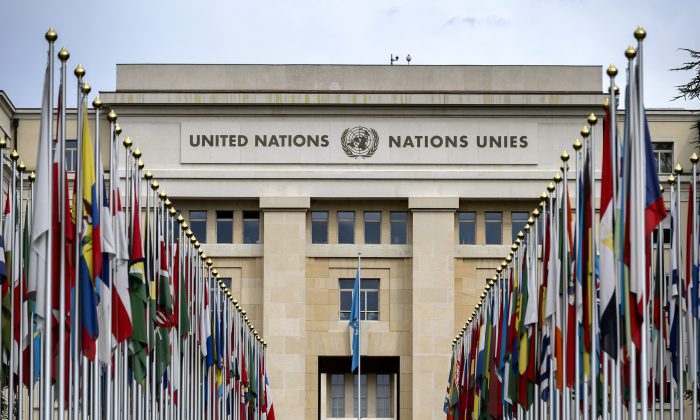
column 288, row 172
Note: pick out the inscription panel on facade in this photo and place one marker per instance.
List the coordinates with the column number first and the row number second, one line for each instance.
column 337, row 140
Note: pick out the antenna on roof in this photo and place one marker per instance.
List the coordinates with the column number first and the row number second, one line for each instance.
column 393, row 58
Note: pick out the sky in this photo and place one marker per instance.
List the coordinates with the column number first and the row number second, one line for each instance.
column 100, row 34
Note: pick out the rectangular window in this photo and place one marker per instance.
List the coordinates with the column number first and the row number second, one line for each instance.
column 198, row 225
column 227, row 282
column 383, row 395
column 337, row 396
column 663, row 151
column 369, row 299
column 363, row 387
column 517, row 222
column 319, row 227
column 667, row 236
column 467, row 228
column 373, row 227
column 399, row 227
column 251, row 227
column 224, row 226
column 71, row 154
column 493, row 228
column 346, row 227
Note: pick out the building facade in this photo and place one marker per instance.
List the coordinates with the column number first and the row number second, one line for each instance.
column 288, row 173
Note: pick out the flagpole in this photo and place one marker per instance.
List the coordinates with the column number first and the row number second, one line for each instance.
column 85, row 362
column 3, row 145
column 565, row 269
column 679, row 297
column 30, row 388
column 359, row 337
column 592, row 120
column 552, row 328
column 13, row 312
column 577, row 343
column 21, row 312
column 694, row 284
column 97, row 200
column 674, row 250
column 661, row 278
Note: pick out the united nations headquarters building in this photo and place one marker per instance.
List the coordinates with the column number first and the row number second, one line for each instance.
column 289, row 173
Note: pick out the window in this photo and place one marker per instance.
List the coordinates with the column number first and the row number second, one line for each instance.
column 251, row 227
column 346, row 227
column 467, row 228
column 667, row 236
column 383, row 395
column 369, row 299
column 493, row 229
column 198, row 224
column 663, row 151
column 224, row 226
column 373, row 227
column 71, row 154
column 518, row 220
column 399, row 227
column 337, row 396
column 363, row 387
column 227, row 282
column 319, row 227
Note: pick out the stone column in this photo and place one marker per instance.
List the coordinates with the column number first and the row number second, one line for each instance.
column 433, row 301
column 284, row 301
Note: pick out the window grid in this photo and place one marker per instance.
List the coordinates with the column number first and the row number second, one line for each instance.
column 346, row 227
column 369, row 299
column 373, row 227
column 399, row 227
column 467, row 228
column 337, row 396
column 363, row 387
column 71, row 154
column 251, row 227
column 198, row 224
column 383, row 395
column 224, row 226
column 518, row 220
column 319, row 227
column 494, row 228
column 663, row 151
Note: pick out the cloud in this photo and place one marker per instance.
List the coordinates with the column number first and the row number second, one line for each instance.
column 473, row 21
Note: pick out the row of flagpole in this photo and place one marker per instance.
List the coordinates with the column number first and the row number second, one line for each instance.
column 120, row 315
column 584, row 319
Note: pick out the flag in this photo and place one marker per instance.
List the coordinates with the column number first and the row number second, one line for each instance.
column 355, row 322
column 104, row 307
column 138, row 298
column 268, row 397
column 205, row 328
column 674, row 344
column 609, row 321
column 121, row 301
column 41, row 208
column 164, row 312
column 88, row 246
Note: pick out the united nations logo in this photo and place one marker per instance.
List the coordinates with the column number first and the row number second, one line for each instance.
column 359, row 142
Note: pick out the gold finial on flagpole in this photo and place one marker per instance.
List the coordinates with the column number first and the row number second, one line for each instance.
column 63, row 54
column 585, row 131
column 136, row 153
column 536, row 213
column 85, row 88
column 32, row 177
column 167, row 202
column 172, row 211
column 521, row 235
column 14, row 155
column 678, row 169
column 51, row 35
column 577, row 145
column 140, row 163
column 606, row 103
column 117, row 129
column 127, row 142
column 630, row 52
column 530, row 220
column 550, row 187
column 148, row 175
column 111, row 115
column 184, row 225
column 204, row 256
column 154, row 185
column 526, row 227
column 498, row 270
column 97, row 104
column 162, row 195
column 188, row 231
column 79, row 71
column 21, row 167
column 694, row 158
column 509, row 258
column 3, row 143
column 565, row 156
column 640, row 33
column 197, row 245
column 612, row 70
column 592, row 119
column 180, row 219
column 616, row 90
column 671, row 180
column 504, row 264
column 557, row 178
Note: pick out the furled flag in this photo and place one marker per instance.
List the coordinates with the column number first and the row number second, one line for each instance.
column 268, row 396
column 104, row 307
column 205, row 328
column 41, row 217
column 138, row 298
column 121, row 302
column 88, row 246
column 355, row 322
column 609, row 322
column 164, row 312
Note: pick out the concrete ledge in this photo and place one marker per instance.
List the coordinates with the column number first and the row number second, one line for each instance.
column 351, row 250
column 233, row 250
column 433, row 203
column 284, row 203
column 482, row 251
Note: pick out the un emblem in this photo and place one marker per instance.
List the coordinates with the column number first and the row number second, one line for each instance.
column 359, row 142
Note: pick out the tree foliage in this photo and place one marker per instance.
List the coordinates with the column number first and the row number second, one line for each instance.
column 690, row 90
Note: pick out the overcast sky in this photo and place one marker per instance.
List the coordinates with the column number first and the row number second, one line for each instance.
column 100, row 34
